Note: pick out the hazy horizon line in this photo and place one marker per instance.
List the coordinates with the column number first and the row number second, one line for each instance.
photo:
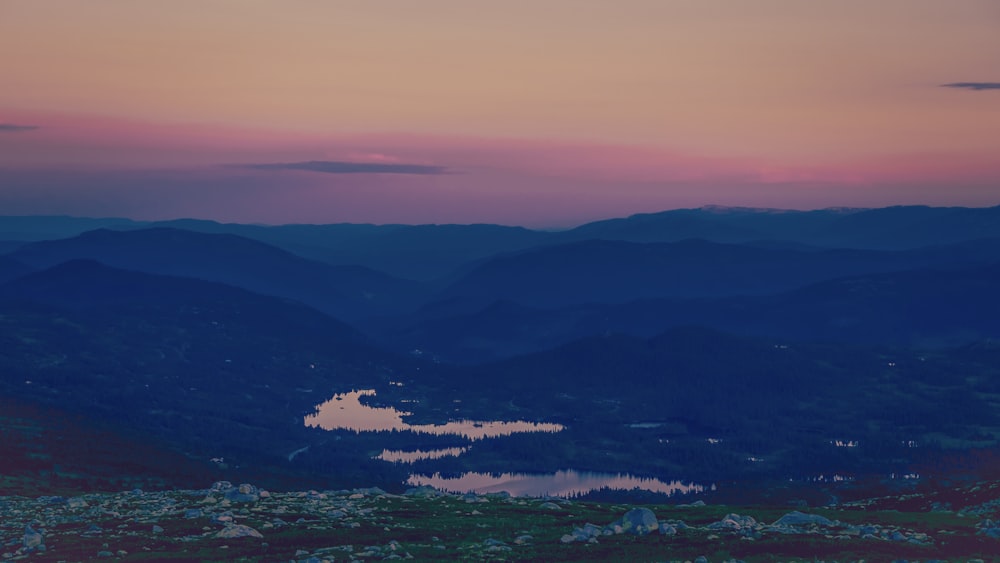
column 707, row 208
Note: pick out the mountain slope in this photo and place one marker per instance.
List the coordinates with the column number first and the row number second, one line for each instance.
column 912, row 308
column 10, row 268
column 213, row 369
column 618, row 272
column 344, row 291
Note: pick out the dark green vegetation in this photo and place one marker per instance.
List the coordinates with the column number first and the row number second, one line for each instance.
column 46, row 451
column 367, row 524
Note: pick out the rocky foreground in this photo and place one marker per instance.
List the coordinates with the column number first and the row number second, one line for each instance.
column 228, row 523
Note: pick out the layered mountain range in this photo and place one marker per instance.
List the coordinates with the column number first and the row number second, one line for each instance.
column 216, row 340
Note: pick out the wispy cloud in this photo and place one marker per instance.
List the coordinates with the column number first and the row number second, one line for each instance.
column 15, row 128
column 343, row 167
column 973, row 85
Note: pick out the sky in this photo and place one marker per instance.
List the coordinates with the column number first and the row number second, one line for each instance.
column 543, row 113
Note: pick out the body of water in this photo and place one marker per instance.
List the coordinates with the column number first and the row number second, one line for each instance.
column 399, row 456
column 345, row 411
column 566, row 483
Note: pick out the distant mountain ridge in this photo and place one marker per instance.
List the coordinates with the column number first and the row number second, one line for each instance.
column 344, row 291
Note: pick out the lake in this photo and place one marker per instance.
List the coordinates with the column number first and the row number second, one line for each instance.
column 566, row 483
column 346, row 412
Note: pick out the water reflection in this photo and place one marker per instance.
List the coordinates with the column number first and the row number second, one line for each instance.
column 399, row 456
column 345, row 411
column 559, row 484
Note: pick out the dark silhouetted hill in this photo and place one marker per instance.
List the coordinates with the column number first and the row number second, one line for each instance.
column 617, row 272
column 344, row 291
column 914, row 308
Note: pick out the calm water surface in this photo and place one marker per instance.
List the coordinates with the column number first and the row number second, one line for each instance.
column 400, row 456
column 559, row 484
column 345, row 411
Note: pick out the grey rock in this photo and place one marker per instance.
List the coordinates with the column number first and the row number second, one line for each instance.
column 224, row 518
column 423, row 491
column 238, row 531
column 157, row 529
column 549, row 506
column 220, row 486
column 33, row 539
column 193, row 513
column 639, row 521
column 244, row 493
column 492, row 541
column 77, row 502
column 734, row 522
column 796, row 518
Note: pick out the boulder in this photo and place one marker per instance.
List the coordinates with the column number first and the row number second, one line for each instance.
column 796, row 518
column 77, row 502
column 639, row 522
column 238, row 531
column 220, row 486
column 734, row 522
column 33, row 539
column 423, row 491
column 745, row 526
column 224, row 518
column 244, row 493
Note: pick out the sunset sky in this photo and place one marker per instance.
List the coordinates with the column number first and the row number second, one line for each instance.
column 545, row 113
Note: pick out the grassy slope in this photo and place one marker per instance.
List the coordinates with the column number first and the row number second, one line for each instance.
column 450, row 528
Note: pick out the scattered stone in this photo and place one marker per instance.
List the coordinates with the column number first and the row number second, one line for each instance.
column 423, row 491
column 549, row 506
column 238, row 531
column 796, row 518
column 77, row 502
column 223, row 518
column 220, row 486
